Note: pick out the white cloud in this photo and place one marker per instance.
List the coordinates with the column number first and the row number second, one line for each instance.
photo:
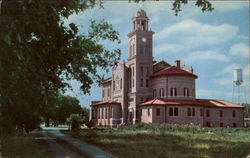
column 207, row 55
column 229, row 6
column 191, row 34
column 240, row 49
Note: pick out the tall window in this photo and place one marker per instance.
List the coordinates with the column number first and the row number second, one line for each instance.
column 147, row 71
column 175, row 111
column 189, row 112
column 147, row 83
column 111, row 111
column 221, row 124
column 154, row 93
column 108, row 92
column 141, row 82
column 233, row 113
column 158, row 112
column 121, row 83
column 221, row 113
column 201, row 112
column 141, row 71
column 186, row 92
column 170, row 111
column 193, row 111
column 173, row 91
column 161, row 92
column 208, row 113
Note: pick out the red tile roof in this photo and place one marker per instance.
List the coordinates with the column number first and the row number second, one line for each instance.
column 173, row 71
column 104, row 102
column 197, row 102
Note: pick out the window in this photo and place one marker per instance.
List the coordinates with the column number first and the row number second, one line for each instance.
column 208, row 124
column 161, row 92
column 111, row 111
column 221, row 113
column 208, row 113
column 233, row 113
column 189, row 112
column 234, row 125
column 193, row 111
column 154, row 93
column 173, row 91
column 201, row 112
column 141, row 99
column 147, row 83
column 158, row 112
column 186, row 92
column 121, row 83
column 141, row 82
column 106, row 112
column 133, row 83
column 170, row 111
column 114, row 85
column 133, row 72
column 147, row 71
column 175, row 111
column 108, row 92
column 141, row 71
column 102, row 112
column 221, row 124
column 148, row 112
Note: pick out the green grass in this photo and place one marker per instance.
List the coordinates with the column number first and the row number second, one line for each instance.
column 150, row 141
column 24, row 146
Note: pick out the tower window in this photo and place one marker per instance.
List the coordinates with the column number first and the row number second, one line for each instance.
column 173, row 91
column 121, row 83
column 141, row 71
column 147, row 71
column 147, row 83
column 186, row 92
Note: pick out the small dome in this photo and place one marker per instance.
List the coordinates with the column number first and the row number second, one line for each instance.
column 140, row 13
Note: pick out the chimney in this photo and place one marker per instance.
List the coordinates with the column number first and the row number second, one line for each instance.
column 177, row 63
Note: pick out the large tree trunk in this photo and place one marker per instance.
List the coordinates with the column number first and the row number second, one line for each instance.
column 47, row 124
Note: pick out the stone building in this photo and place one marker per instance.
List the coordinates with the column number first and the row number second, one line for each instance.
column 143, row 90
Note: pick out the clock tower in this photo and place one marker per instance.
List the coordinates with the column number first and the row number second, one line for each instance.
column 140, row 64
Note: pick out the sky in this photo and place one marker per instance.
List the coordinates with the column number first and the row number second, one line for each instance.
column 213, row 43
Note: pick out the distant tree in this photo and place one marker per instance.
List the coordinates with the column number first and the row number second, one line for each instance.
column 246, row 110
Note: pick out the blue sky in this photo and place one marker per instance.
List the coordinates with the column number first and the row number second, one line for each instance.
column 213, row 43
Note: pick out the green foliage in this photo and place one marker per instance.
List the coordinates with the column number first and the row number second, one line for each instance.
column 39, row 53
column 75, row 121
column 25, row 146
column 149, row 141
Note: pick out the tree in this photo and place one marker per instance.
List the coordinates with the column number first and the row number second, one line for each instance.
column 38, row 55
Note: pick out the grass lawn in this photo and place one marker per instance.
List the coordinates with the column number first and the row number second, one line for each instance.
column 151, row 141
column 25, row 146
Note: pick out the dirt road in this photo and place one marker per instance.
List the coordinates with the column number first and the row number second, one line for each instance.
column 65, row 146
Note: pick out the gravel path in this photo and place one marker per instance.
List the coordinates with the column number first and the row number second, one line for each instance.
column 65, row 146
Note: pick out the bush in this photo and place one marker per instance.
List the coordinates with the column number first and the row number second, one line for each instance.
column 74, row 121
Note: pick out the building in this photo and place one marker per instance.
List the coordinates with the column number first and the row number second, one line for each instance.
column 143, row 90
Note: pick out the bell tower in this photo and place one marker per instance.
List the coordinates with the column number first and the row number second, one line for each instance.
column 140, row 63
